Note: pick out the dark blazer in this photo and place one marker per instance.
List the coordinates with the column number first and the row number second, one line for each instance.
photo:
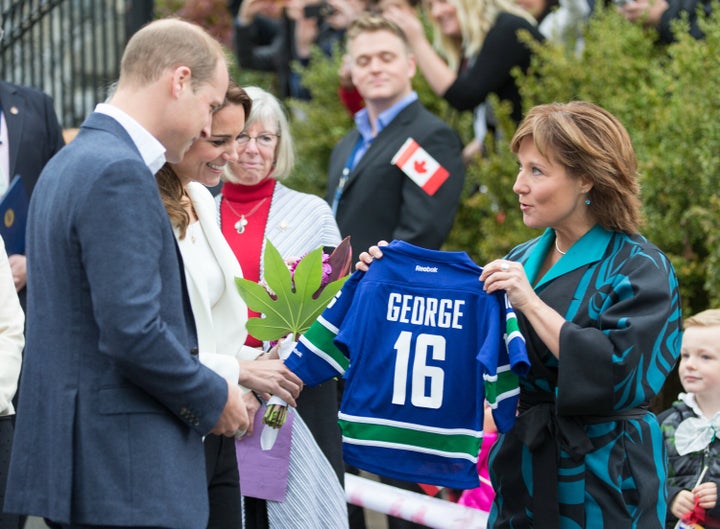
column 34, row 132
column 112, row 404
column 380, row 202
column 34, row 135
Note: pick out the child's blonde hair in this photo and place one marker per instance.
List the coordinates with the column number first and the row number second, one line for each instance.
column 706, row 318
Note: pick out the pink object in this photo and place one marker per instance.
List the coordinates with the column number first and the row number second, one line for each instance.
column 481, row 497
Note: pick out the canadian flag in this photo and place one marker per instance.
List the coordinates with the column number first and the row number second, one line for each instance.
column 422, row 168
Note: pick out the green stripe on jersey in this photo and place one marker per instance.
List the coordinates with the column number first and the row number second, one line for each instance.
column 505, row 382
column 322, row 338
column 450, row 443
column 511, row 325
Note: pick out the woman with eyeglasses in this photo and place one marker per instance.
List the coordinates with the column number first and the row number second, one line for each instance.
column 253, row 206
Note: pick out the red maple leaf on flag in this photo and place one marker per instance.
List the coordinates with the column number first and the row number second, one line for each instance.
column 420, row 166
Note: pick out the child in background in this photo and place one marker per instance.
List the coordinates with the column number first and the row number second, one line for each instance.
column 691, row 427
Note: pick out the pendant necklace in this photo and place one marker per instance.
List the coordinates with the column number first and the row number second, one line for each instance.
column 558, row 248
column 242, row 221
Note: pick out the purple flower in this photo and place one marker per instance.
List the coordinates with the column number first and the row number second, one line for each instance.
column 326, row 269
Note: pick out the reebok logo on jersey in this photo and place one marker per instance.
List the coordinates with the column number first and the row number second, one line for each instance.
column 432, row 269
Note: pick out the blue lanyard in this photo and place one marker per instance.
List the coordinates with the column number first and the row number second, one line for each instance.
column 345, row 175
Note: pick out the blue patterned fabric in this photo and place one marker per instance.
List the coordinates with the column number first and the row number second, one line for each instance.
column 585, row 452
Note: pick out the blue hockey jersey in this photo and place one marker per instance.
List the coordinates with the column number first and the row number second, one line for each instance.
column 421, row 346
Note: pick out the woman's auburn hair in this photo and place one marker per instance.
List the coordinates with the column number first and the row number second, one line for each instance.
column 592, row 145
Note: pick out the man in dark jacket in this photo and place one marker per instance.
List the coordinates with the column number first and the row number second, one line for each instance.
column 30, row 135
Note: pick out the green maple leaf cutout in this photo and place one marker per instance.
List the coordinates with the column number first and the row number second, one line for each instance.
column 294, row 307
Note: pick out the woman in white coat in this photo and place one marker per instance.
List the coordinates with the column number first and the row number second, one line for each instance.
column 12, row 341
column 254, row 206
column 218, row 310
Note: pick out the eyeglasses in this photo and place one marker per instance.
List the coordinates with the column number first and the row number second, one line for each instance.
column 264, row 139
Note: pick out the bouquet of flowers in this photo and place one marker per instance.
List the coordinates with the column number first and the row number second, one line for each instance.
column 293, row 297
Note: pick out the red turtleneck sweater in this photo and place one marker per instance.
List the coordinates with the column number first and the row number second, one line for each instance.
column 254, row 202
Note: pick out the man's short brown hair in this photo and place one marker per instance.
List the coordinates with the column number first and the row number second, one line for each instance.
column 369, row 23
column 169, row 43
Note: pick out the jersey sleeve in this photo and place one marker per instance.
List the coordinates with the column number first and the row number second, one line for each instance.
column 504, row 358
column 316, row 357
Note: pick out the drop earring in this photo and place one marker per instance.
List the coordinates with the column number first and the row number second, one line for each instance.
column 587, row 201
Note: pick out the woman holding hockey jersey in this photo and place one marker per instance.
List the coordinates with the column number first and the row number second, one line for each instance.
column 599, row 308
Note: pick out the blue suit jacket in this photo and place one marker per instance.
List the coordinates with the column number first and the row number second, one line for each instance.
column 112, row 404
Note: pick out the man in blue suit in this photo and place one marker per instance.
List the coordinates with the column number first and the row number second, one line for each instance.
column 113, row 403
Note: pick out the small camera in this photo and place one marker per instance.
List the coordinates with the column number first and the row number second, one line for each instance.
column 320, row 10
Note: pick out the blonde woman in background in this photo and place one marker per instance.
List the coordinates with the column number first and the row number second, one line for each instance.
column 474, row 51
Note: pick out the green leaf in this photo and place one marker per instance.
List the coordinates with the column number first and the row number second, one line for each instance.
column 308, row 274
column 259, row 300
column 315, row 307
column 278, row 279
column 267, row 329
column 254, row 295
column 295, row 308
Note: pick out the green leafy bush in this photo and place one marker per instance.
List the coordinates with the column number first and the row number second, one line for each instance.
column 317, row 125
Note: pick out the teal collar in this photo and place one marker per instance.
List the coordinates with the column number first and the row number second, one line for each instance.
column 588, row 249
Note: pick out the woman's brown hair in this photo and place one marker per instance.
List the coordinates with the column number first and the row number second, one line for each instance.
column 593, row 145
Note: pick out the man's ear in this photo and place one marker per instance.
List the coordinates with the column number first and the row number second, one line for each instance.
column 180, row 80
column 412, row 65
